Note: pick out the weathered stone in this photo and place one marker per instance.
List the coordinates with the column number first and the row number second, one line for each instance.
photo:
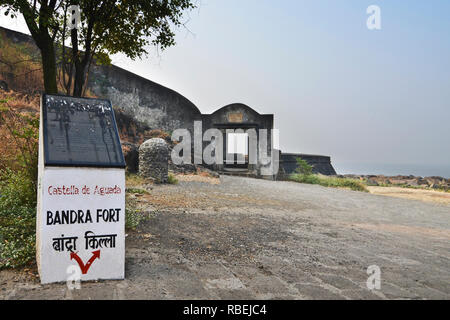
column 421, row 181
column 154, row 160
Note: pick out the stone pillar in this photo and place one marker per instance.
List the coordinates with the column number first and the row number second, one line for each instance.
column 154, row 160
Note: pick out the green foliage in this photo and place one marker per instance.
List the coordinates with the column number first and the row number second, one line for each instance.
column 129, row 27
column 17, row 189
column 303, row 167
column 304, row 174
column 18, row 184
column 133, row 216
column 102, row 59
column 326, row 181
column 171, row 179
column 134, row 180
column 310, row 179
column 107, row 27
column 17, row 219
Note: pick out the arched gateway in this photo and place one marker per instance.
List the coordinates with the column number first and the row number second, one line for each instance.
column 247, row 139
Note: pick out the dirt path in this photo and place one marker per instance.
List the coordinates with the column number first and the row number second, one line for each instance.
column 413, row 194
column 247, row 238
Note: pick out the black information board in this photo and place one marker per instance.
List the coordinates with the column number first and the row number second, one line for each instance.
column 80, row 132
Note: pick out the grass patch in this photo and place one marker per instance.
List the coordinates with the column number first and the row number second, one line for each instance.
column 133, row 215
column 305, row 175
column 171, row 179
column 326, row 181
column 134, row 180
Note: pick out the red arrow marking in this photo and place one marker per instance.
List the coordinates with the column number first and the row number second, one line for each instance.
column 84, row 268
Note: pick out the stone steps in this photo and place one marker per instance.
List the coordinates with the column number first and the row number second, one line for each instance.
column 238, row 173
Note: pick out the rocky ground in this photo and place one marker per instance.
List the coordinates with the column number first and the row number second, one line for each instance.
column 439, row 183
column 241, row 238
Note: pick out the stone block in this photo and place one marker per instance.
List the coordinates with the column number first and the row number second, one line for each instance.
column 154, row 160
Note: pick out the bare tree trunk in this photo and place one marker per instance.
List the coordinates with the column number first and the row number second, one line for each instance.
column 49, row 66
column 43, row 40
column 80, row 64
column 80, row 68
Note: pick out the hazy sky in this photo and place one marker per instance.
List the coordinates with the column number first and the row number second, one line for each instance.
column 372, row 100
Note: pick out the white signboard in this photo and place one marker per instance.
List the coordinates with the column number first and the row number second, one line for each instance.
column 80, row 227
column 81, row 222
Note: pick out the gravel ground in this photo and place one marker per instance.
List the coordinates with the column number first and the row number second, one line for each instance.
column 414, row 194
column 256, row 239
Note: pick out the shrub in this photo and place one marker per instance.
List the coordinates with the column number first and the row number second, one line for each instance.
column 326, row 181
column 157, row 133
column 17, row 219
column 303, row 167
column 20, row 132
column 310, row 179
column 18, row 184
column 134, row 180
column 133, row 216
column 171, row 179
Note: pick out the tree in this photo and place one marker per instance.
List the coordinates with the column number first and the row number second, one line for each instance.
column 107, row 27
column 303, row 167
column 110, row 27
column 41, row 18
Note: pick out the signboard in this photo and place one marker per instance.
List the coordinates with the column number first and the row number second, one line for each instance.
column 81, row 192
column 80, row 132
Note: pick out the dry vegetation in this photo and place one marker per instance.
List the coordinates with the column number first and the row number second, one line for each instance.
column 200, row 177
column 17, row 110
column 20, row 66
column 18, row 180
column 412, row 194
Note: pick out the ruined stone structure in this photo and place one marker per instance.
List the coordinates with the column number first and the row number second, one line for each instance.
column 154, row 160
column 239, row 119
column 147, row 102
column 158, row 107
column 153, row 106
column 320, row 164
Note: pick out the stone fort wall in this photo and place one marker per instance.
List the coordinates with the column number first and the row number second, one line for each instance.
column 320, row 164
column 154, row 106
